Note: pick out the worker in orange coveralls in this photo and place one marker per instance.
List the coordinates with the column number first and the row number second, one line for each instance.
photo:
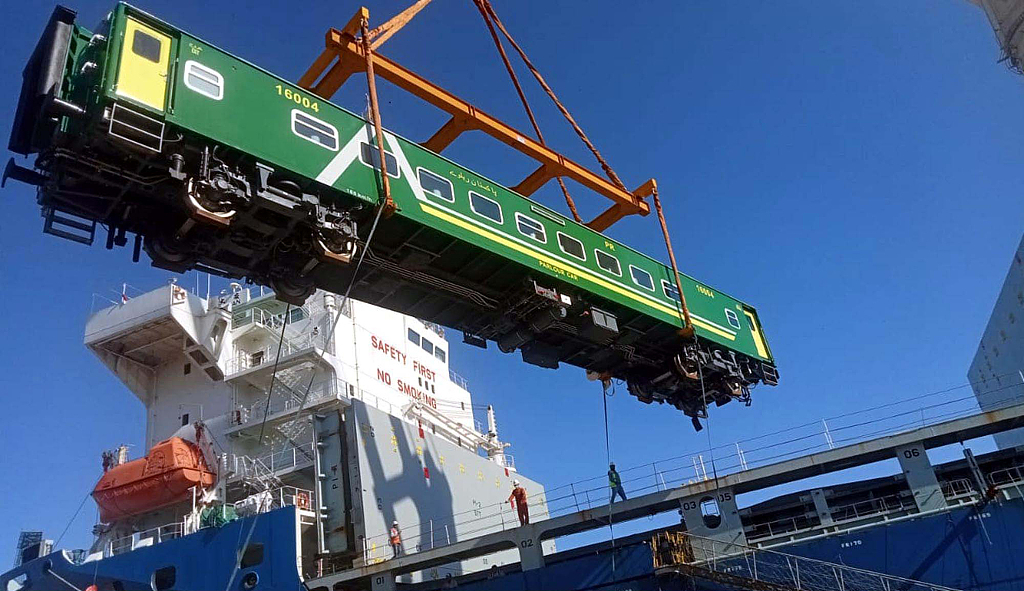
column 519, row 495
column 396, row 539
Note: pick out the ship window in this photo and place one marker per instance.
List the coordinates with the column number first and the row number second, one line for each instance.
column 485, row 207
column 203, row 80
column 184, row 419
column 734, row 320
column 435, row 185
column 164, row 578
column 314, row 130
column 531, row 228
column 370, row 156
column 608, row 262
column 440, row 354
column 670, row 290
column 710, row 513
column 18, row 583
column 641, row 277
column 146, row 46
column 427, row 346
column 414, row 337
column 252, row 556
column 571, row 246
column 188, row 368
column 296, row 315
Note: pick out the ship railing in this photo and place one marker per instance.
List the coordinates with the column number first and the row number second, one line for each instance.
column 1006, row 476
column 840, row 515
column 435, row 533
column 871, row 507
column 286, row 459
column 435, row 328
column 734, row 565
column 284, row 496
column 957, row 488
column 318, row 393
column 246, row 360
column 458, row 380
column 145, row 538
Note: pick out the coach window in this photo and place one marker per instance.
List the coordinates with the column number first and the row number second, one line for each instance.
column 571, row 246
column 146, row 46
column 734, row 320
column 314, row 130
column 608, row 262
column 531, row 228
column 203, row 80
column 641, row 278
column 434, row 185
column 670, row 290
column 370, row 156
column 485, row 207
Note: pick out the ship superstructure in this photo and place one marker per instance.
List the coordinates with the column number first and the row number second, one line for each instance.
column 348, row 411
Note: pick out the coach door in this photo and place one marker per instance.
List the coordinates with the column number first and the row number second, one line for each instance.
column 145, row 57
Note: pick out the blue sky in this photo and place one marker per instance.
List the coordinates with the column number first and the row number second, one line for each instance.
column 851, row 169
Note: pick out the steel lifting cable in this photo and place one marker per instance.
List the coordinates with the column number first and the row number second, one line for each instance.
column 386, row 204
column 526, row 105
column 389, row 205
column 487, row 10
column 551, row 93
column 608, row 457
column 273, row 373
column 309, row 386
column 687, row 322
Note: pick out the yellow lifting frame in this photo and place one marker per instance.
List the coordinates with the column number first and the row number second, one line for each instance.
column 344, row 55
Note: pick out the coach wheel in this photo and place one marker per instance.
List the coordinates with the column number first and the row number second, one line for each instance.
column 167, row 252
column 205, row 208
column 292, row 290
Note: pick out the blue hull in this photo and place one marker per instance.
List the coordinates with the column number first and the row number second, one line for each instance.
column 201, row 561
column 965, row 548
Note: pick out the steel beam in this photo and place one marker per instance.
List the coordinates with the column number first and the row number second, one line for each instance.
column 350, row 59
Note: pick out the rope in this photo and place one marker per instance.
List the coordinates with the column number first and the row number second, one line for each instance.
column 61, row 579
column 526, row 104
column 608, row 457
column 386, row 204
column 273, row 374
column 389, row 205
column 330, row 335
column 551, row 93
column 687, row 322
column 72, row 520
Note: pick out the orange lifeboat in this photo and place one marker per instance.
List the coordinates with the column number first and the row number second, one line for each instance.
column 165, row 476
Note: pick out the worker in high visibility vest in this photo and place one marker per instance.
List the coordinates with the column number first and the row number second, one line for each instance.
column 396, row 539
column 519, row 496
column 615, row 483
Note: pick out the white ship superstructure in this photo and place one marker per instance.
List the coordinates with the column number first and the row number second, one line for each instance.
column 347, row 410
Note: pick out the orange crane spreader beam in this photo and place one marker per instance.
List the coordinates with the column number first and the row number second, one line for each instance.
column 343, row 56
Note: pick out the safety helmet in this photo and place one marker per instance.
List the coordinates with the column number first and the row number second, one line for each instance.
column 515, row 483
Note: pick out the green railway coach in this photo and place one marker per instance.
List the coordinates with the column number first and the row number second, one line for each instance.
column 213, row 163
